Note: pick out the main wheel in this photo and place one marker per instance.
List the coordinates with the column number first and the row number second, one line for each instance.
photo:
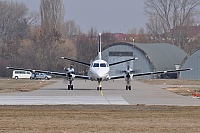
column 126, row 87
column 72, row 87
column 129, row 87
column 46, row 78
column 68, row 87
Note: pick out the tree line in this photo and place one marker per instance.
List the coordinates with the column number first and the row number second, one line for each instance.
column 37, row 40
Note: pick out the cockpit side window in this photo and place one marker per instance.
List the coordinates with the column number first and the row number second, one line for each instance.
column 102, row 65
column 96, row 65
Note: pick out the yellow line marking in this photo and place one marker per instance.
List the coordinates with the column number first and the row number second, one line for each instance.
column 101, row 93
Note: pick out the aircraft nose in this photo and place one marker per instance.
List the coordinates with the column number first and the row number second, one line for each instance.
column 99, row 74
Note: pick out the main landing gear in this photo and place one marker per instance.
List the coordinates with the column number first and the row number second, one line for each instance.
column 128, row 85
column 70, row 86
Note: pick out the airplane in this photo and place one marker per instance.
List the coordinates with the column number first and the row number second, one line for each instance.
column 99, row 71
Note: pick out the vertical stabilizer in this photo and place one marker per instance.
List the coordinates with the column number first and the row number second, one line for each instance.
column 99, row 47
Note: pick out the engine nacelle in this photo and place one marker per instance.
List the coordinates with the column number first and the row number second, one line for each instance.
column 128, row 77
column 70, row 76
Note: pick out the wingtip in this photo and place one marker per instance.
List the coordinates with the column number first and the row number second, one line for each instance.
column 10, row 67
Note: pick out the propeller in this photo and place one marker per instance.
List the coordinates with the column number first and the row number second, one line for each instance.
column 69, row 74
column 128, row 69
column 128, row 76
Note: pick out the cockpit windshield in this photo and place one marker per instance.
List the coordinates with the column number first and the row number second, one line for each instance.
column 102, row 65
column 96, row 65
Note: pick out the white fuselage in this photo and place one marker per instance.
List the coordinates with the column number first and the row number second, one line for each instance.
column 99, row 70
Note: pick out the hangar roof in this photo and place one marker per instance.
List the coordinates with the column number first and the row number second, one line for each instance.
column 162, row 56
column 192, row 61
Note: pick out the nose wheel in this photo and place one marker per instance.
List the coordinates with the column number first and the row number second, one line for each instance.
column 99, row 88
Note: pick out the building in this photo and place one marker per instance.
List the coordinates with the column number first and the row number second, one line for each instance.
column 192, row 61
column 152, row 57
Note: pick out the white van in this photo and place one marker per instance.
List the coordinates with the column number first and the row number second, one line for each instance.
column 18, row 74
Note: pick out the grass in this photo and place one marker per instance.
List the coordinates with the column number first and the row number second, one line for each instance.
column 22, row 85
column 170, row 81
column 185, row 91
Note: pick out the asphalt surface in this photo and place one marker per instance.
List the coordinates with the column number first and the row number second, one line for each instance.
column 85, row 93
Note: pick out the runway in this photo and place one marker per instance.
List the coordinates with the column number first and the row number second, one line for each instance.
column 85, row 93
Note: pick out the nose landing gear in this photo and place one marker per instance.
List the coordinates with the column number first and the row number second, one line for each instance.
column 128, row 85
column 99, row 88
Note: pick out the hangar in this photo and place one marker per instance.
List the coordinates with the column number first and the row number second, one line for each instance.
column 151, row 57
column 192, row 61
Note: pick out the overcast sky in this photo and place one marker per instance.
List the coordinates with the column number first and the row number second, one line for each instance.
column 104, row 15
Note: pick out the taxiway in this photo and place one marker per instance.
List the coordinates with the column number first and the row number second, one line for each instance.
column 113, row 93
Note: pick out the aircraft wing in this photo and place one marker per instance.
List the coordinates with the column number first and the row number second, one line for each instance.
column 112, row 64
column 58, row 73
column 49, row 72
column 160, row 72
column 31, row 70
column 150, row 73
column 83, row 63
column 117, row 77
column 82, row 77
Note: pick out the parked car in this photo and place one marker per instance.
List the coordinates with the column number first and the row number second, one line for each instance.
column 40, row 76
column 21, row 74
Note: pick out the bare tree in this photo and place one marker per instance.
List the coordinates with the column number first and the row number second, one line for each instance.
column 33, row 18
column 165, row 15
column 49, row 41
column 12, row 20
column 132, row 31
column 13, row 28
column 52, row 15
column 107, row 38
column 72, row 29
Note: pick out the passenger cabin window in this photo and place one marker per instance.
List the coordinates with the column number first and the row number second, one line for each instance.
column 102, row 65
column 96, row 65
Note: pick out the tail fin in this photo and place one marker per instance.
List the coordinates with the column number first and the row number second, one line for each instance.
column 99, row 47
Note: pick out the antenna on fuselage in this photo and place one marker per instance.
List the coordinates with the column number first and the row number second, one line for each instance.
column 99, row 47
